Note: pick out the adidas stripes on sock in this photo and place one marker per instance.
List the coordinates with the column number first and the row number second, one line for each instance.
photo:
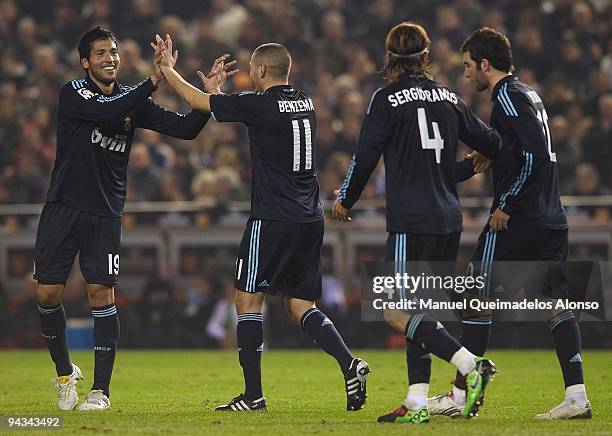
column 425, row 332
column 566, row 334
column 53, row 330
column 475, row 336
column 320, row 328
column 418, row 362
column 106, row 339
column 476, row 333
column 249, row 333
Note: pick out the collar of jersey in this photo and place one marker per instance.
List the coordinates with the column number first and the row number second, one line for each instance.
column 93, row 87
column 277, row 87
column 409, row 76
column 507, row 79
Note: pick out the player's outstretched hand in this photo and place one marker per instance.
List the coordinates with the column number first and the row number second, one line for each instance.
column 499, row 220
column 481, row 162
column 219, row 72
column 340, row 212
column 164, row 55
column 158, row 46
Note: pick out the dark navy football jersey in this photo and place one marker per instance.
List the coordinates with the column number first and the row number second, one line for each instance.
column 525, row 174
column 94, row 140
column 282, row 127
column 416, row 125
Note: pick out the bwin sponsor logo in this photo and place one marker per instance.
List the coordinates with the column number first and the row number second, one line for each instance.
column 117, row 143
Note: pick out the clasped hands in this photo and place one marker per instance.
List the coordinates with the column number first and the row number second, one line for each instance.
column 165, row 58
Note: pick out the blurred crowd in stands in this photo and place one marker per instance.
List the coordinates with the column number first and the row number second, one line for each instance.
column 561, row 47
column 196, row 311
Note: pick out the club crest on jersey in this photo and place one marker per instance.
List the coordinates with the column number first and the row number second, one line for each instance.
column 127, row 124
column 85, row 93
column 117, row 143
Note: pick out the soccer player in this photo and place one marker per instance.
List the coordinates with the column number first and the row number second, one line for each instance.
column 280, row 251
column 97, row 117
column 416, row 124
column 527, row 220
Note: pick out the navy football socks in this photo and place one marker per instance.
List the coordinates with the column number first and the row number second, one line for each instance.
column 249, row 333
column 425, row 332
column 566, row 333
column 106, row 339
column 53, row 329
column 320, row 328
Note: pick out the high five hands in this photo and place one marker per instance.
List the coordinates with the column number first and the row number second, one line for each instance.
column 218, row 74
column 159, row 59
column 165, row 58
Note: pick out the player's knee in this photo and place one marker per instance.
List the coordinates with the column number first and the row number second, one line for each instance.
column 247, row 302
column 399, row 325
column 100, row 295
column 472, row 306
column 296, row 308
column 295, row 316
column 49, row 295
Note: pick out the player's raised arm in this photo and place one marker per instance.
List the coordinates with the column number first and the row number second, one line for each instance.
column 78, row 102
column 152, row 116
column 192, row 95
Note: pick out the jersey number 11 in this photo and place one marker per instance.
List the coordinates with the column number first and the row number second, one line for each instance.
column 297, row 144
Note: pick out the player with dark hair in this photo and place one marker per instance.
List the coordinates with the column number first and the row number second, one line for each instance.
column 97, row 117
column 416, row 124
column 527, row 220
column 280, row 251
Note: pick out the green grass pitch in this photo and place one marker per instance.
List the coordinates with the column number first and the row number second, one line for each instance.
column 176, row 391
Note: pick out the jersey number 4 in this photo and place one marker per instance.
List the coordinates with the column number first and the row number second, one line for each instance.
column 297, row 144
column 436, row 143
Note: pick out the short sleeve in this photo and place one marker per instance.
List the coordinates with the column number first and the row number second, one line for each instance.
column 241, row 108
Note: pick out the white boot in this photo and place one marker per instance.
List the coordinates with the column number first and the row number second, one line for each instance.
column 566, row 410
column 67, row 396
column 96, row 400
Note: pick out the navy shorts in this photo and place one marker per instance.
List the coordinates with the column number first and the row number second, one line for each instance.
column 281, row 257
column 63, row 232
column 417, row 253
column 422, row 247
column 527, row 258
